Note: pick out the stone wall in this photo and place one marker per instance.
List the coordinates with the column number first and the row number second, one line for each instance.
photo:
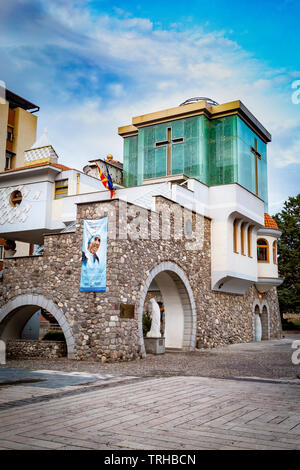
column 94, row 318
column 27, row 348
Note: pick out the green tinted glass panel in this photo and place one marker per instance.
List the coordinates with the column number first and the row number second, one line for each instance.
column 160, row 162
column 177, row 159
column 246, row 162
column 223, row 150
column 130, row 167
column 214, row 151
column 189, row 157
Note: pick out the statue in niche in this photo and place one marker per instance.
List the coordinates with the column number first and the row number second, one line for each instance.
column 155, row 320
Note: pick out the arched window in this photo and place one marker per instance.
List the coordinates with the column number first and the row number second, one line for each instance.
column 16, row 198
column 262, row 250
column 275, row 252
column 243, row 238
column 235, row 240
column 249, row 239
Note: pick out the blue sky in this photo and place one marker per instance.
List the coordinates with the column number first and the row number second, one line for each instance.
column 92, row 65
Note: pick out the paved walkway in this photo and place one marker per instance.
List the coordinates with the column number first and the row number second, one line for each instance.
column 180, row 413
column 250, row 401
column 270, row 359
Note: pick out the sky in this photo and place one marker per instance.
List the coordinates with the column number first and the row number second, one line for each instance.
column 92, row 65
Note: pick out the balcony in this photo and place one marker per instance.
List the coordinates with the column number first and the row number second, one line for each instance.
column 267, row 267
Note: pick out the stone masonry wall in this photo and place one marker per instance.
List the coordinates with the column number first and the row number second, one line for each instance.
column 94, row 318
column 22, row 348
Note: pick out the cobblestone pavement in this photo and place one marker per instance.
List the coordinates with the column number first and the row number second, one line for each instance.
column 162, row 402
column 268, row 359
column 174, row 413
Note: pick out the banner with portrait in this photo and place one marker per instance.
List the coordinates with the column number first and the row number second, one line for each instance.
column 94, row 248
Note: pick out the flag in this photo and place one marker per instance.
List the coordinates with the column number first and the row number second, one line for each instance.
column 106, row 181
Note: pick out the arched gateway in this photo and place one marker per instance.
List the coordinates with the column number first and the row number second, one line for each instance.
column 261, row 321
column 179, row 306
column 15, row 313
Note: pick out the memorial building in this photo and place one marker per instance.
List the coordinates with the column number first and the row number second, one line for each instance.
column 186, row 223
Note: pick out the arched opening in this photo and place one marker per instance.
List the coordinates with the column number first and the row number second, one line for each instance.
column 170, row 287
column 243, row 238
column 265, row 323
column 20, row 316
column 235, row 235
column 257, row 324
column 275, row 252
column 262, row 250
column 249, row 241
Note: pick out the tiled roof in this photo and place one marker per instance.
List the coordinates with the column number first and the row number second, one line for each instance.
column 35, row 165
column 269, row 222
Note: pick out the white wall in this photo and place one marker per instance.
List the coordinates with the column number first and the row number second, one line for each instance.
column 174, row 315
column 267, row 269
column 30, row 214
column 226, row 203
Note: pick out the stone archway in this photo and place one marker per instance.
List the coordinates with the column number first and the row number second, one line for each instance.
column 265, row 321
column 261, row 310
column 257, row 329
column 31, row 303
column 178, row 301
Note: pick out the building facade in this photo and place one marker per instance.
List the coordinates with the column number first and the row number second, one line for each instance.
column 17, row 130
column 115, row 168
column 196, row 236
column 17, row 133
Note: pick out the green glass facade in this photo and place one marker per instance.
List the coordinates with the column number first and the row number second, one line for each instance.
column 214, row 151
column 189, row 157
column 130, row 161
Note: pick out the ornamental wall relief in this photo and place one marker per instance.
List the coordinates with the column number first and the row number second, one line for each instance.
column 12, row 212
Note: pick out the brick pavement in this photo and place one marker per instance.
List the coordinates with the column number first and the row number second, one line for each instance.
column 173, row 413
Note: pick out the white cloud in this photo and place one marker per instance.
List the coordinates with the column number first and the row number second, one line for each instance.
column 102, row 70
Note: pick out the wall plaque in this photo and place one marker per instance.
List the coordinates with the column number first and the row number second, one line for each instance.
column 126, row 311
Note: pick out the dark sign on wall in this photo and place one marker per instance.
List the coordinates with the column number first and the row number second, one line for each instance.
column 126, row 311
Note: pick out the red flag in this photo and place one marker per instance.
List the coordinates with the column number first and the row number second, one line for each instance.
column 105, row 181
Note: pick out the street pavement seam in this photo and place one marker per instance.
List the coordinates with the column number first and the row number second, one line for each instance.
column 67, row 393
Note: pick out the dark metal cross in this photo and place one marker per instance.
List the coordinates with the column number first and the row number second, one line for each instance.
column 256, row 155
column 168, row 143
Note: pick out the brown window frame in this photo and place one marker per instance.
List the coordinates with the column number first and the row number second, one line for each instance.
column 274, row 248
column 249, row 240
column 266, row 246
column 62, row 189
column 243, row 238
column 10, row 133
column 235, row 236
column 16, row 198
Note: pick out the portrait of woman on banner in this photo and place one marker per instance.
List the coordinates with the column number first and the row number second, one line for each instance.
column 94, row 247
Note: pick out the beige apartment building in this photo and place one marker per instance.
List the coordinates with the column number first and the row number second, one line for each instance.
column 17, row 133
column 17, row 130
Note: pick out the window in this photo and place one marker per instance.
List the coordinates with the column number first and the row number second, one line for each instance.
column 235, row 247
column 16, row 198
column 8, row 159
column 275, row 252
column 243, row 238
column 262, row 251
column 249, row 241
column 10, row 133
column 61, row 189
column 1, row 252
